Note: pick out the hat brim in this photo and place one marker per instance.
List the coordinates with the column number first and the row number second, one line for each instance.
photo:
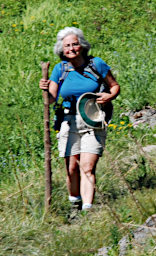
column 89, row 111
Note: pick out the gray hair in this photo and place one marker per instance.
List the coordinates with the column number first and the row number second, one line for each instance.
column 58, row 48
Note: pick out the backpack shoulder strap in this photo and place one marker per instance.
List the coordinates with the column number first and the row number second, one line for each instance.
column 64, row 72
column 65, row 69
column 91, row 68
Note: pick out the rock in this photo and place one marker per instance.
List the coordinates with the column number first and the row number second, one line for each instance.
column 103, row 251
column 145, row 116
column 139, row 236
column 137, row 115
column 149, row 148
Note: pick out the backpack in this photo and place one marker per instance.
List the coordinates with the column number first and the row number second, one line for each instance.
column 103, row 87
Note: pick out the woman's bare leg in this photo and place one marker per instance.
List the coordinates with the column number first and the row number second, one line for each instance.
column 73, row 175
column 88, row 163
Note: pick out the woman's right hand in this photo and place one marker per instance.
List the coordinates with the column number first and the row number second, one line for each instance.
column 44, row 84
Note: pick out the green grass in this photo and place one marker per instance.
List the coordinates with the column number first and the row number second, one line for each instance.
column 123, row 34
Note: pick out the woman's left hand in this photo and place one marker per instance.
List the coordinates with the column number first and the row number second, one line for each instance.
column 114, row 89
column 103, row 97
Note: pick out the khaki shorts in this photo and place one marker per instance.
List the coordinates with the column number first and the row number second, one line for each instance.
column 75, row 137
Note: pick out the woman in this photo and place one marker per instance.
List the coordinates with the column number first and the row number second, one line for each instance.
column 80, row 145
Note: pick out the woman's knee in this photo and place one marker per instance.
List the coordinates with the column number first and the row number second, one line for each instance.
column 88, row 170
column 73, row 170
column 71, row 163
column 88, row 162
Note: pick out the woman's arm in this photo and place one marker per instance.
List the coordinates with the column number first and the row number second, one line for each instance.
column 114, row 89
column 51, row 86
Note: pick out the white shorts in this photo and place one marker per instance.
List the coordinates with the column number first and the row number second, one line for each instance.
column 75, row 137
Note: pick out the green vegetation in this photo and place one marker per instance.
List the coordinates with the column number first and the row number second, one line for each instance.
column 123, row 34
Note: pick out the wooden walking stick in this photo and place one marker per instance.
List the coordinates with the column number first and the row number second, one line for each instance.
column 47, row 141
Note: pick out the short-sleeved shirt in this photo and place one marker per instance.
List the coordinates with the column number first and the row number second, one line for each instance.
column 76, row 84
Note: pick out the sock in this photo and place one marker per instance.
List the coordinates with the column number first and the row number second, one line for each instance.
column 86, row 206
column 74, row 199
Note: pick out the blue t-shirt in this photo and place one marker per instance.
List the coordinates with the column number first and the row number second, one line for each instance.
column 76, row 84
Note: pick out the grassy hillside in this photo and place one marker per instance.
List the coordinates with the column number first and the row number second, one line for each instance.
column 123, row 34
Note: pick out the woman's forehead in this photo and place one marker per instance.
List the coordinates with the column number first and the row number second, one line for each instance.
column 69, row 38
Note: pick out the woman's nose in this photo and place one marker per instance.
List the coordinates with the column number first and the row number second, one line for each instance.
column 71, row 47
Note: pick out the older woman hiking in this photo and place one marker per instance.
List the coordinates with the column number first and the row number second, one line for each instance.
column 80, row 145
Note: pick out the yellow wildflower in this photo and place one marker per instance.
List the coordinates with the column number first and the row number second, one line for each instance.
column 110, row 125
column 129, row 125
column 14, row 25
column 75, row 23
column 16, row 30
column 51, row 24
column 122, row 122
column 120, row 128
column 44, row 21
column 2, row 12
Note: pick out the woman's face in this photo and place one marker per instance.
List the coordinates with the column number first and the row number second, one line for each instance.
column 71, row 47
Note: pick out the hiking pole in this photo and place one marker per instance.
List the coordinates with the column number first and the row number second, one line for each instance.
column 47, row 141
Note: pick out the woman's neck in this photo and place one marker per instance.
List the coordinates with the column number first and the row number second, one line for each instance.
column 77, row 62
